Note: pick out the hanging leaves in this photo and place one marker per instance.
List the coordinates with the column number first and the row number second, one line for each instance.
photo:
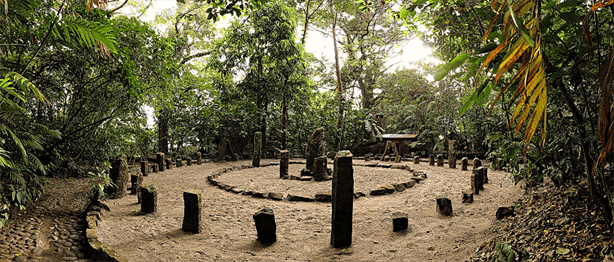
column 606, row 112
column 522, row 42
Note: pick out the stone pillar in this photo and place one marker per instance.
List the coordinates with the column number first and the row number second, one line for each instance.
column 464, row 163
column 179, row 162
column 149, row 199
column 160, row 161
column 451, row 154
column 137, row 182
column 192, row 212
column 416, row 160
column 319, row 168
column 431, row 160
column 476, row 180
column 265, row 225
column 169, row 163
column 368, row 157
column 439, row 160
column 477, row 163
column 144, row 168
column 119, row 176
column 257, row 149
column 189, row 161
column 199, row 158
column 315, row 147
column 444, row 206
column 284, row 161
column 343, row 200
column 484, row 175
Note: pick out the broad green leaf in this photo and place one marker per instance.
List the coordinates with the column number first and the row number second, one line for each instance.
column 523, row 30
column 570, row 4
column 550, row 5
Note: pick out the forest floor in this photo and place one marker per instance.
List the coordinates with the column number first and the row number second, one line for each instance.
column 303, row 228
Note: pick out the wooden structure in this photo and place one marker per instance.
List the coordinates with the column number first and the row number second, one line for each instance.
column 402, row 142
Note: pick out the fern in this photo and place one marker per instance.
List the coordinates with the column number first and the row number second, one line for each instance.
column 90, row 34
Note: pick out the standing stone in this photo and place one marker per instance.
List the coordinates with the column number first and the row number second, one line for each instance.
column 320, row 168
column 179, row 162
column 451, row 154
column 368, row 157
column 439, row 160
column 119, row 176
column 494, row 160
column 192, row 213
column 477, row 163
column 265, row 226
column 137, row 182
column 431, row 160
column 144, row 168
column 397, row 159
column 257, row 149
column 169, row 163
column 484, row 175
column 464, row 163
column 160, row 161
column 315, row 147
column 283, row 163
column 155, row 168
column 399, row 221
column 189, row 161
column 476, row 181
column 343, row 200
column 149, row 199
column 416, row 160
column 444, row 206
column 199, row 158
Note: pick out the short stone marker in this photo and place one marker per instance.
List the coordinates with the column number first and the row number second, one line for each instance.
column 477, row 163
column 192, row 213
column 440, row 160
column 368, row 157
column 416, row 160
column 155, row 168
column 160, row 161
column 467, row 197
column 494, row 160
column 503, row 212
column 265, row 226
column 179, row 162
column 144, row 168
column 283, row 163
column 199, row 158
column 169, row 163
column 319, row 168
column 257, row 149
column 464, row 163
column 189, row 161
column 431, row 160
column 119, row 176
column 444, row 206
column 149, row 199
column 399, row 221
column 397, row 159
column 343, row 200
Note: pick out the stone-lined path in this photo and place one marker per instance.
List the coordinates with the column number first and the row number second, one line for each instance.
column 52, row 229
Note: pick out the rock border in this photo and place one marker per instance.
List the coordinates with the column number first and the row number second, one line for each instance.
column 98, row 250
column 319, row 197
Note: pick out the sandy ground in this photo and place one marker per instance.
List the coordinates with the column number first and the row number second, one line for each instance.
column 303, row 228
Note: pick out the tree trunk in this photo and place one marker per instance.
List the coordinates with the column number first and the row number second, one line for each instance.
column 284, row 119
column 163, row 131
column 339, row 84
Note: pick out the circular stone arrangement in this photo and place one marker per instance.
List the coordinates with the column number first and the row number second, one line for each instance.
column 264, row 182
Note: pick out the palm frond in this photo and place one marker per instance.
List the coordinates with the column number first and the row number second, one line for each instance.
column 90, row 34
